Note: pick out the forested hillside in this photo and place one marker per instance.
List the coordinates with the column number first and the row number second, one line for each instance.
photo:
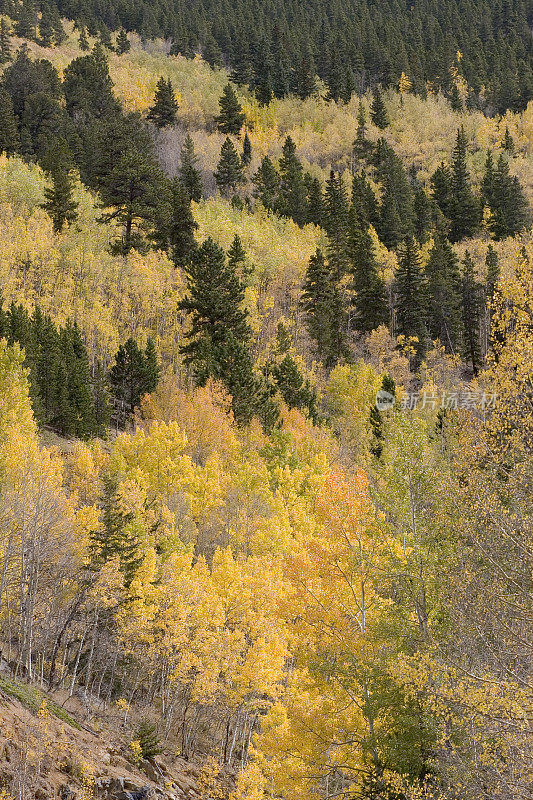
column 266, row 399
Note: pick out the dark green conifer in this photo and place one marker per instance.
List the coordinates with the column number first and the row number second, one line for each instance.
column 131, row 195
column 493, row 272
column 472, row 298
column 465, row 208
column 267, row 182
column 229, row 171
column 83, row 41
column 246, row 150
column 189, row 174
column 165, row 108
column 362, row 147
column 410, row 297
column 215, row 303
column 508, row 142
column 231, row 118
column 26, row 22
column 9, row 137
column 335, row 222
column 315, row 200
column 128, row 376
column 378, row 111
column 370, row 303
column 176, row 225
column 502, row 193
column 295, row 391
column 5, row 42
column 123, row 43
column 146, row 735
column 59, row 200
column 291, row 200
column 444, row 294
column 325, row 314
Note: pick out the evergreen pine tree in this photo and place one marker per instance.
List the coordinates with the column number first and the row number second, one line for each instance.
column 165, row 108
column 315, row 200
column 493, row 272
column 410, row 297
column 132, row 192
column 9, row 138
column 364, row 202
column 441, row 186
column 59, row 201
column 127, row 376
column 378, row 111
column 371, row 299
column 246, row 150
column 335, row 222
column 304, row 75
column 5, row 42
column 123, row 43
column 465, row 210
column 325, row 314
column 215, row 302
column 267, row 182
column 83, row 41
column 444, row 294
column 508, row 143
column 46, row 28
column 291, row 200
column 26, row 23
column 176, row 225
column 295, row 391
column 189, row 174
column 117, row 535
column 472, row 311
column 231, row 118
column 237, row 258
column 362, row 147
column 146, row 735
column 229, row 171
column 509, row 209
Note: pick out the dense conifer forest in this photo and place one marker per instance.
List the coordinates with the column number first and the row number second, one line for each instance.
column 266, row 337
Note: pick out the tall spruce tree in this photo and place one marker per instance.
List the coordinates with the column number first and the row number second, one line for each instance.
column 370, row 304
column 82, row 39
column 134, row 374
column 230, row 118
column 9, row 137
column 472, row 302
column 130, row 194
column 5, row 42
column 378, row 110
column 410, row 297
column 502, row 193
column 229, row 171
column 176, row 224
column 291, row 200
column 215, row 302
column 315, row 200
column 362, row 147
column 188, row 171
column 123, row 43
column 117, row 535
column 165, row 108
column 267, row 183
column 335, row 222
column 246, row 150
column 444, row 294
column 324, row 312
column 59, row 200
column 464, row 209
